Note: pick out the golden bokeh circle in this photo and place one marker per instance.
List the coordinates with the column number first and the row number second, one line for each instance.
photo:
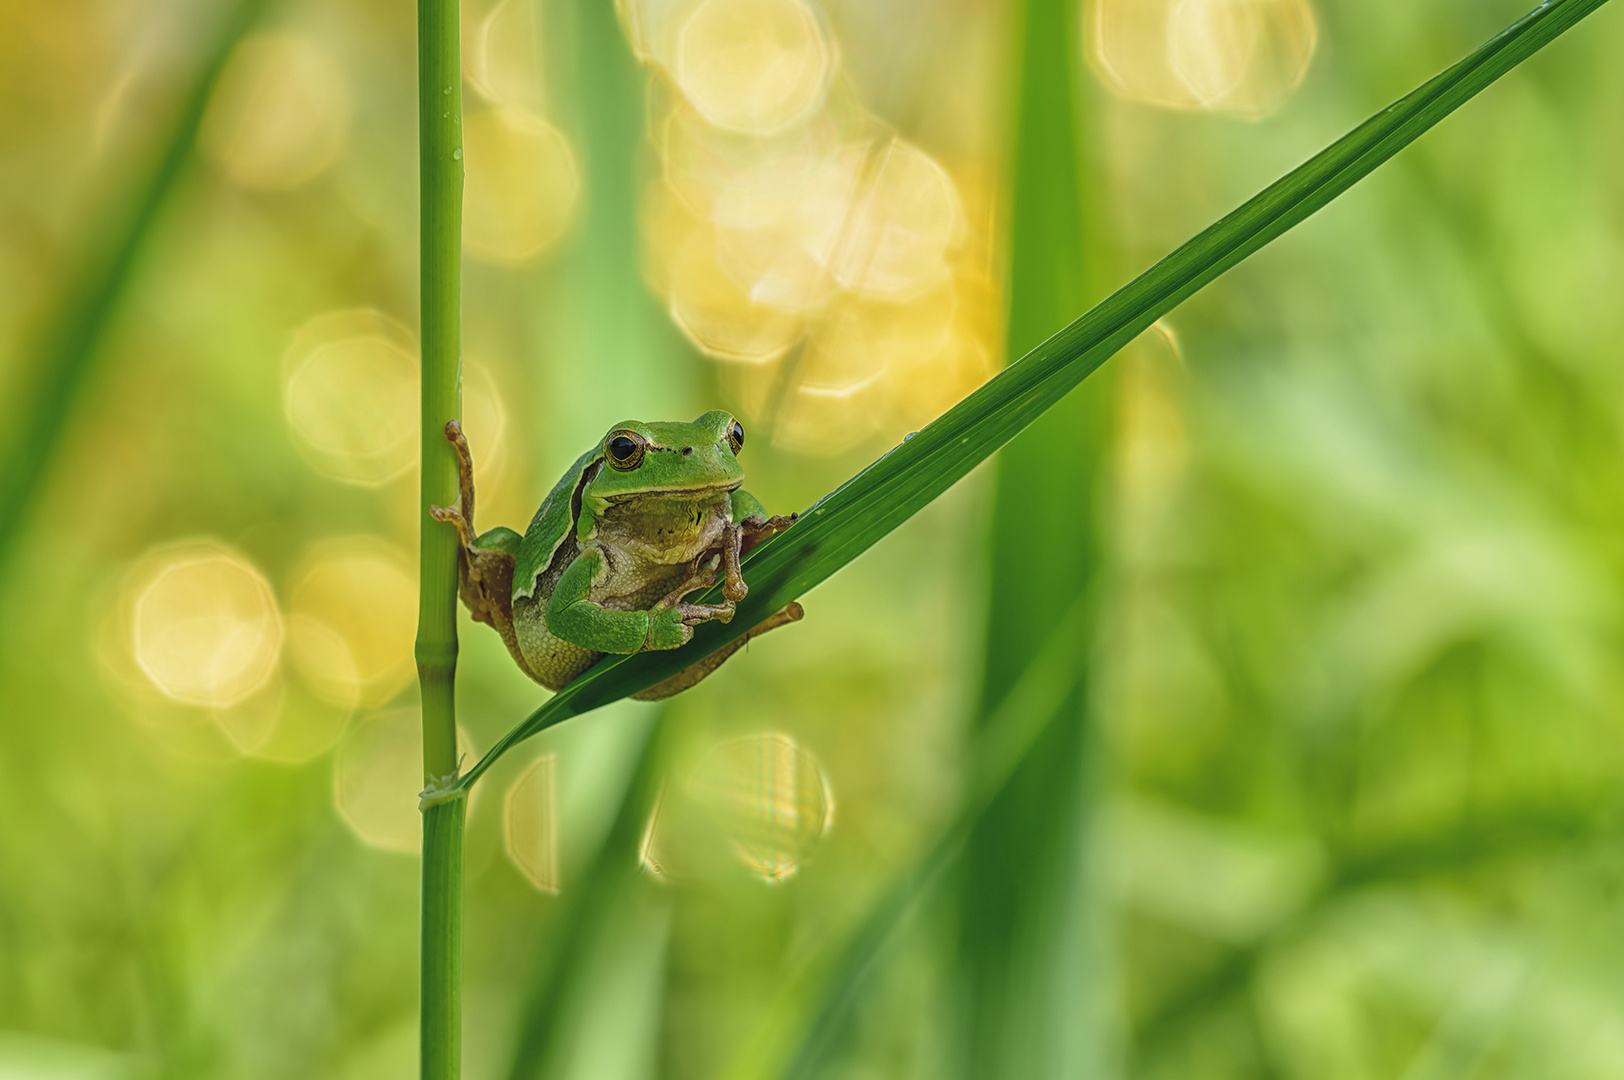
column 859, row 339
column 754, row 66
column 378, row 776
column 530, row 823
column 504, row 55
column 769, row 797
column 280, row 114
column 349, row 393
column 1244, row 57
column 522, row 187
column 780, row 228
column 205, row 626
column 909, row 216
column 352, row 621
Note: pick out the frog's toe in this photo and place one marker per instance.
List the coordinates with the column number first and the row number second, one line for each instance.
column 756, row 528
column 694, row 614
column 455, row 519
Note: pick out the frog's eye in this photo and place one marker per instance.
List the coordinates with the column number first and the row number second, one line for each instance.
column 735, row 436
column 625, row 450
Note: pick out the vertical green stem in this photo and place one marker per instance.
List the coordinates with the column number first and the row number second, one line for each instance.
column 441, row 971
column 439, row 103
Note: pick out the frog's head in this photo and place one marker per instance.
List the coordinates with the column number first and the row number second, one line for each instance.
column 648, row 459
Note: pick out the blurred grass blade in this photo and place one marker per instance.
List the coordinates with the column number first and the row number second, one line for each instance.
column 850, row 519
column 70, row 343
column 631, row 356
column 587, row 904
column 1022, row 911
column 630, row 359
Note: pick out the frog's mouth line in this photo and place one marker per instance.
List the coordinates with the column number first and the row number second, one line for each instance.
column 710, row 489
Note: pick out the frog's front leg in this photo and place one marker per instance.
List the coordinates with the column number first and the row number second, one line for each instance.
column 575, row 617
column 701, row 575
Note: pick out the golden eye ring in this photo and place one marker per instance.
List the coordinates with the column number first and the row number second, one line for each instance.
column 624, row 450
column 735, row 436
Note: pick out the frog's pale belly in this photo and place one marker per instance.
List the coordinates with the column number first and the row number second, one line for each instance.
column 635, row 576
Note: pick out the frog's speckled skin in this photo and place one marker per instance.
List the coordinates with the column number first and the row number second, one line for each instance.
column 615, row 549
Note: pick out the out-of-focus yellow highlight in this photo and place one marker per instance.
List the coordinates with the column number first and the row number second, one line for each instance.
column 280, row 114
column 908, row 216
column 349, row 392
column 764, row 797
column 377, row 776
column 842, row 271
column 351, row 621
column 1153, row 450
column 259, row 712
column 832, row 263
column 754, row 66
column 858, row 340
column 205, row 626
column 873, row 366
column 1238, row 56
column 530, row 823
column 503, row 57
column 716, row 314
column 522, row 186
column 770, row 795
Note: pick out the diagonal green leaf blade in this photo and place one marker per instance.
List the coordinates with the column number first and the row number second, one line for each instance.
column 65, row 357
column 849, row 520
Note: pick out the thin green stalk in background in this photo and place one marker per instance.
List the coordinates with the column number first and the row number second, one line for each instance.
column 587, row 904
column 439, row 103
column 626, row 356
column 1022, row 932
column 72, row 341
column 857, row 514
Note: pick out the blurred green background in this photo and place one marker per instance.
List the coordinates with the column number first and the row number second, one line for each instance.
column 1328, row 783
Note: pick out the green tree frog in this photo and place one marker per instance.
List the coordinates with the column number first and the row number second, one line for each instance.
column 651, row 514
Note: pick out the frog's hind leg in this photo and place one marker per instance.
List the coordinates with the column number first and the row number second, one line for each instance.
column 484, row 563
column 682, row 680
column 485, row 569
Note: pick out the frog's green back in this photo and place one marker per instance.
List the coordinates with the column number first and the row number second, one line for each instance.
column 548, row 528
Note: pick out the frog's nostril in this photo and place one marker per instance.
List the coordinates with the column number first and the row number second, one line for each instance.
column 686, row 450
